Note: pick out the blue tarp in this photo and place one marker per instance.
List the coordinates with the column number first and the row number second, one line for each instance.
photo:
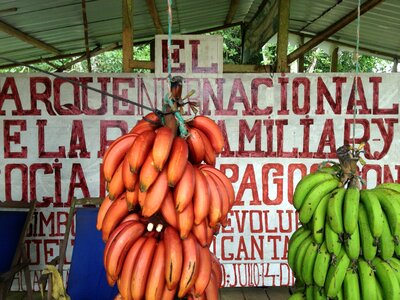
column 87, row 277
column 11, row 224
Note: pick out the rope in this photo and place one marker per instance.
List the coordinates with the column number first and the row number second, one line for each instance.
column 357, row 73
column 158, row 112
column 168, row 97
column 169, row 39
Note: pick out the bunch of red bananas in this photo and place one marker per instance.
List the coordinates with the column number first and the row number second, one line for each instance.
column 165, row 202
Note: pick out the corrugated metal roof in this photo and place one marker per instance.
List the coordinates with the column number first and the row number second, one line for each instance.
column 59, row 22
column 378, row 27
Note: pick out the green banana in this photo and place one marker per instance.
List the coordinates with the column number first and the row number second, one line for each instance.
column 308, row 263
column 368, row 244
column 310, row 292
column 297, row 296
column 350, row 209
column 306, row 184
column 293, row 247
column 379, row 291
column 386, row 243
column 367, row 280
column 351, row 287
column 335, row 208
column 390, row 203
column 352, row 244
column 395, row 265
column 395, row 186
column 336, row 274
column 332, row 240
column 313, row 198
column 321, row 265
column 387, row 279
column 397, row 246
column 319, row 293
column 296, row 234
column 374, row 211
column 301, row 253
column 319, row 218
column 339, row 296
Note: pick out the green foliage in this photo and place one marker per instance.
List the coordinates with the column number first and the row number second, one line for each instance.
column 232, row 44
column 367, row 64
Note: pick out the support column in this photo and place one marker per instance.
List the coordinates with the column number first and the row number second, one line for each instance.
column 395, row 63
column 127, row 34
column 334, row 59
column 283, row 36
column 300, row 66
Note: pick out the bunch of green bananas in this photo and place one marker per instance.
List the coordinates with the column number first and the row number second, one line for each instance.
column 348, row 245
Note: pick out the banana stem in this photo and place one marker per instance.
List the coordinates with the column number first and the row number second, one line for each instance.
column 181, row 122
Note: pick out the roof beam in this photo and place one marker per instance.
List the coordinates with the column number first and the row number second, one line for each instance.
column 155, row 16
column 62, row 56
column 367, row 51
column 86, row 33
column 232, row 11
column 366, row 6
column 94, row 52
column 10, row 30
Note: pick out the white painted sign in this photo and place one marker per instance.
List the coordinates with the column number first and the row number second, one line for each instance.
column 277, row 128
column 190, row 54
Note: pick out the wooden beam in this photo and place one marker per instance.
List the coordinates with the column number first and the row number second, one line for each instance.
column 142, row 64
column 61, row 56
column 228, row 68
column 232, row 11
column 86, row 33
column 231, row 68
column 300, row 65
column 395, row 63
column 283, row 36
column 334, row 59
column 10, row 30
column 347, row 45
column 155, row 16
column 127, row 34
column 93, row 53
column 366, row 6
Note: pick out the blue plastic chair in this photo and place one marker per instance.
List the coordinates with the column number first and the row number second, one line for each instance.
column 15, row 218
column 87, row 276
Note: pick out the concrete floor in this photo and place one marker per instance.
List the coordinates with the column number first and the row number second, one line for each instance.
column 268, row 293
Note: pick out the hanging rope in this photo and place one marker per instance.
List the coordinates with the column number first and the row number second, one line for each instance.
column 357, row 73
column 169, row 40
column 168, row 99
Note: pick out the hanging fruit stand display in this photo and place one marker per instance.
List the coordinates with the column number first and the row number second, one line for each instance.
column 165, row 202
column 347, row 246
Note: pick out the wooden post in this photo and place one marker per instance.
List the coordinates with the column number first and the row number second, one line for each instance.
column 86, row 33
column 300, row 66
column 152, row 52
column 127, row 34
column 395, row 63
column 283, row 36
column 334, row 59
